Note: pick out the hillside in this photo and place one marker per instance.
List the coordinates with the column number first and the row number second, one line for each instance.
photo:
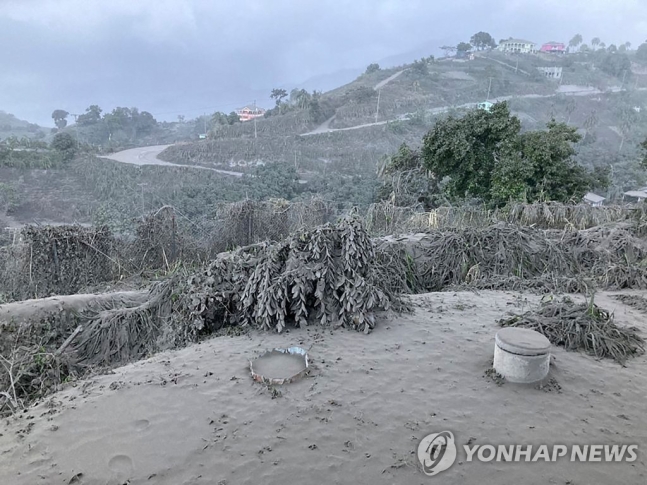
column 10, row 126
column 332, row 141
column 347, row 133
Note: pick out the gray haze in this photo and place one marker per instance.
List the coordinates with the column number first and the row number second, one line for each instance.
column 187, row 57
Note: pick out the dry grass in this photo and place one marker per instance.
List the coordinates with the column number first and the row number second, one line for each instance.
column 385, row 218
column 581, row 327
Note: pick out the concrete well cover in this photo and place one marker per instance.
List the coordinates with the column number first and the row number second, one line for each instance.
column 522, row 341
column 280, row 366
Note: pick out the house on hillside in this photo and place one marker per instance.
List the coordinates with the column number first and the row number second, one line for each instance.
column 593, row 199
column 637, row 195
column 486, row 105
column 553, row 47
column 249, row 113
column 518, row 46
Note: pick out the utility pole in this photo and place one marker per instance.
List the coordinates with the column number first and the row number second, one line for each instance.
column 295, row 160
column 255, row 133
column 142, row 186
column 205, row 123
column 624, row 75
column 488, row 90
column 76, row 126
column 377, row 111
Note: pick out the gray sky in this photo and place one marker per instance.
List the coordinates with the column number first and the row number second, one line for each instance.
column 175, row 57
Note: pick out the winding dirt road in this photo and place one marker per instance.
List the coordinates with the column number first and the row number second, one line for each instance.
column 148, row 156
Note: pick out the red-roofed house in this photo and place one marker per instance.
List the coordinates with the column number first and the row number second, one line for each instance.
column 556, row 47
column 249, row 113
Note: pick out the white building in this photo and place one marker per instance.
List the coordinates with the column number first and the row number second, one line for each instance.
column 639, row 195
column 517, row 46
column 593, row 199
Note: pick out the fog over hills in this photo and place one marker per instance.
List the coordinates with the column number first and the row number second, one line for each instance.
column 188, row 57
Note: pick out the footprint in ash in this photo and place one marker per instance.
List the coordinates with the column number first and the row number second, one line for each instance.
column 142, row 424
column 121, row 466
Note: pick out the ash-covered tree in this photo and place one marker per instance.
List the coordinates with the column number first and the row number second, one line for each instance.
column 464, row 47
column 482, row 40
column 301, row 98
column 278, row 95
column 60, row 118
column 484, row 155
column 371, row 68
column 643, row 148
column 420, row 67
column 64, row 145
column 616, row 64
column 575, row 41
column 406, row 182
column 360, row 94
column 218, row 119
column 233, row 118
column 91, row 116
column 641, row 53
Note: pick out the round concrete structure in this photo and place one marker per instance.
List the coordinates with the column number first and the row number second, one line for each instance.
column 521, row 355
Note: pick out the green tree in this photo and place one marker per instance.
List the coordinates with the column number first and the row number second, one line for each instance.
column 464, row 149
column 595, row 42
column 372, row 68
column 60, row 118
column 484, row 155
column 482, row 40
column 539, row 165
column 575, row 41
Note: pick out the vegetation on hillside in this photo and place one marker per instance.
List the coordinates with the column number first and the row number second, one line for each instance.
column 601, row 132
column 485, row 156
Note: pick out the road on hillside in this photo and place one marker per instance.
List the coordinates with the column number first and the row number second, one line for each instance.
column 381, row 84
column 148, row 156
column 566, row 90
column 325, row 126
